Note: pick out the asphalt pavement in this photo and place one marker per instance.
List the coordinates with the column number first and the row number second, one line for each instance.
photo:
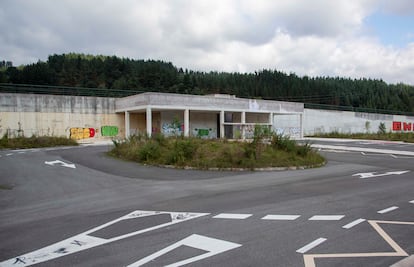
column 76, row 206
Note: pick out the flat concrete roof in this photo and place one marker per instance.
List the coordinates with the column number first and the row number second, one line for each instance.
column 216, row 102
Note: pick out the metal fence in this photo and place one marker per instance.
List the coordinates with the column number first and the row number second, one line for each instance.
column 64, row 90
column 105, row 92
column 357, row 109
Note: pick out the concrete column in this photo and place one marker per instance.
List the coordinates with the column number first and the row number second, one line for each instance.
column 243, row 125
column 187, row 123
column 149, row 121
column 222, row 124
column 301, row 125
column 127, row 125
column 271, row 121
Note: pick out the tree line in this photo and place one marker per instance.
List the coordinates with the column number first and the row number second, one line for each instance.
column 111, row 72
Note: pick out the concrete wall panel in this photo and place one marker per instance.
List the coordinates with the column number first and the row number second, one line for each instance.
column 55, row 124
column 327, row 121
column 56, row 103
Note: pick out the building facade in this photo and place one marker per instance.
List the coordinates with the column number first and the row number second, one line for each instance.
column 210, row 116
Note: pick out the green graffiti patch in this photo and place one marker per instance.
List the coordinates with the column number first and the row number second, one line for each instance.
column 109, row 130
column 203, row 132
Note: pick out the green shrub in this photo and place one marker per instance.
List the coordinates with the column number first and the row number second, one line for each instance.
column 34, row 141
column 200, row 153
column 282, row 142
column 304, row 150
column 149, row 151
column 182, row 150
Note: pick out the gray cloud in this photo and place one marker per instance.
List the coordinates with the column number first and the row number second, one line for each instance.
column 320, row 37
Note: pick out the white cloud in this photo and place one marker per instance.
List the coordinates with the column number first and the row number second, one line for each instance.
column 315, row 38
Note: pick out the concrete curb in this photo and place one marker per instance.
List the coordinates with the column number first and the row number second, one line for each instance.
column 362, row 149
column 344, row 140
column 269, row 169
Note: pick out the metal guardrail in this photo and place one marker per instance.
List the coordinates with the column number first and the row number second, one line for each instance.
column 64, row 90
column 105, row 92
column 357, row 109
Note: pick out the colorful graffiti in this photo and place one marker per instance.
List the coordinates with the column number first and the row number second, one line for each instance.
column 109, row 130
column 172, row 129
column 82, row 133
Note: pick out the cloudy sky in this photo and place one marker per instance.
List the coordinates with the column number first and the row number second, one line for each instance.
column 347, row 38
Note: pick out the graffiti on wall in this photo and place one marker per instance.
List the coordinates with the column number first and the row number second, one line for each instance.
column 204, row 133
column 169, row 129
column 173, row 128
column 288, row 131
column 109, row 130
column 402, row 126
column 82, row 133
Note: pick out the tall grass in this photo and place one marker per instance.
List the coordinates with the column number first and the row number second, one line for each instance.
column 221, row 154
column 398, row 136
column 35, row 141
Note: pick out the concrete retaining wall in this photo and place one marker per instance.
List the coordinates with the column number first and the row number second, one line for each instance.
column 30, row 114
column 317, row 121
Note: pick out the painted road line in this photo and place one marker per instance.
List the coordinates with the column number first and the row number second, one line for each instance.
column 397, row 251
column 281, row 217
column 311, row 245
column 233, row 216
column 412, row 201
column 87, row 240
column 387, row 210
column 363, row 149
column 211, row 246
column 9, row 154
column 374, row 174
column 352, row 224
column 61, row 163
column 407, row 262
column 326, row 217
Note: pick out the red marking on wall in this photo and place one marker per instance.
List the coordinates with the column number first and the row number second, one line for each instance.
column 402, row 126
column 407, row 126
column 396, row 126
column 91, row 132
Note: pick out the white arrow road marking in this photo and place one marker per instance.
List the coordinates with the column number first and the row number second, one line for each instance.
column 400, row 157
column 63, row 164
column 211, row 245
column 84, row 240
column 373, row 174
